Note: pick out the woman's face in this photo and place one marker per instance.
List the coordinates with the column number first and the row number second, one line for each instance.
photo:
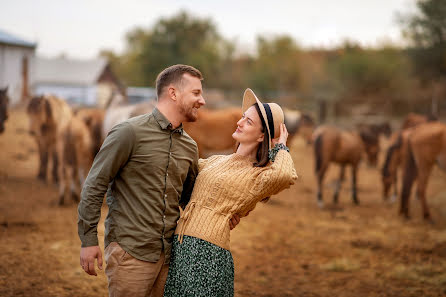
column 249, row 128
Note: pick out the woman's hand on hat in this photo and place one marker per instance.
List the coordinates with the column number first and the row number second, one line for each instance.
column 283, row 135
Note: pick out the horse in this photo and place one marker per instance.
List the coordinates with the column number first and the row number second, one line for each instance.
column 94, row 119
column 4, row 100
column 344, row 148
column 413, row 119
column 78, row 156
column 426, row 145
column 213, row 130
column 393, row 160
column 118, row 111
column 300, row 123
column 49, row 119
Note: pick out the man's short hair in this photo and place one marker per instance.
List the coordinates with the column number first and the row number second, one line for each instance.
column 174, row 74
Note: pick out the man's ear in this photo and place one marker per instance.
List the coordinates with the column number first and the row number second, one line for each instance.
column 172, row 93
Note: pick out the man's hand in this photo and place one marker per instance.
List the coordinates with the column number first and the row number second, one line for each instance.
column 88, row 255
column 234, row 221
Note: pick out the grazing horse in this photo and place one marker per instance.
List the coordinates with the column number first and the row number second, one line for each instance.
column 94, row 119
column 344, row 148
column 78, row 157
column 394, row 157
column 213, row 130
column 426, row 145
column 300, row 123
column 4, row 100
column 49, row 119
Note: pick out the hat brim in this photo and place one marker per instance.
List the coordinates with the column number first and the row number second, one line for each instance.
column 249, row 99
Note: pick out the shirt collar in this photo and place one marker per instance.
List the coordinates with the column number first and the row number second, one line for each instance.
column 164, row 122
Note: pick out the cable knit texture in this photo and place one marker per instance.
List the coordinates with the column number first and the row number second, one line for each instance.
column 228, row 185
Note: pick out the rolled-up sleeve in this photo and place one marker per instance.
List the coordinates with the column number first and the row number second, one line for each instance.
column 113, row 155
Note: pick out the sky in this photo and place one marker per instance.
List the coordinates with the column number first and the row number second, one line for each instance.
column 80, row 29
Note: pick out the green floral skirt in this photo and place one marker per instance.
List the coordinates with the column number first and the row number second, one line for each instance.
column 199, row 268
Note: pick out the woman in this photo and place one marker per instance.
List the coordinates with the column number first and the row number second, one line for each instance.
column 201, row 263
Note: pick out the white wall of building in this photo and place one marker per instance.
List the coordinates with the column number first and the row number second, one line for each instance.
column 78, row 95
column 11, row 60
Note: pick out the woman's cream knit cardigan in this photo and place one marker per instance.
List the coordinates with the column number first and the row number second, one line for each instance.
column 228, row 185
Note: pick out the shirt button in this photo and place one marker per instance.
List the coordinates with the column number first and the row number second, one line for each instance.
column 165, row 196
column 167, row 174
column 164, row 217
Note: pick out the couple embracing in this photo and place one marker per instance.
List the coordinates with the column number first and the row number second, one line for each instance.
column 148, row 167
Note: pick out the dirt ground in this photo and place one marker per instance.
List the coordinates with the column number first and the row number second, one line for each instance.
column 287, row 247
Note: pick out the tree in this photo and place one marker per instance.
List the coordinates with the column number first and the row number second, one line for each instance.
column 426, row 32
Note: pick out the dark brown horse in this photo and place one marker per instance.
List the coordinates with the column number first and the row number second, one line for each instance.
column 4, row 100
column 426, row 145
column 344, row 148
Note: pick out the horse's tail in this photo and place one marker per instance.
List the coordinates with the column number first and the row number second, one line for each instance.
column 318, row 152
column 389, row 154
column 409, row 174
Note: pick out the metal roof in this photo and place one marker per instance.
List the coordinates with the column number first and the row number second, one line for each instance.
column 6, row 38
column 68, row 71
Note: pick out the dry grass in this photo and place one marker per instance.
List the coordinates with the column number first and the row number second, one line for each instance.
column 287, row 247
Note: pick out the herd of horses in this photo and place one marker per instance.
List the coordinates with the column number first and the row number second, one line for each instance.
column 69, row 139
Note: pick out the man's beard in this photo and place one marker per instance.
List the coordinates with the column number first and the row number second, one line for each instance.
column 188, row 112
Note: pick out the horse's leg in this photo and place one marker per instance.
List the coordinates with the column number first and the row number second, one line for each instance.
column 320, row 174
column 395, row 188
column 409, row 176
column 43, row 160
column 354, row 186
column 339, row 184
column 423, row 178
column 61, row 169
column 55, row 166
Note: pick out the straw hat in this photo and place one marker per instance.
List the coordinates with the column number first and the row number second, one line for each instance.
column 271, row 112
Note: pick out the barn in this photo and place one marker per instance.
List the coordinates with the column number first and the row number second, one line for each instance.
column 80, row 82
column 16, row 65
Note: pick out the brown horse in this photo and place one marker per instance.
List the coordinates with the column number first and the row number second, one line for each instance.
column 426, row 145
column 78, row 157
column 213, row 130
column 4, row 100
column 299, row 123
column 49, row 118
column 344, row 148
column 413, row 119
column 94, row 119
column 394, row 157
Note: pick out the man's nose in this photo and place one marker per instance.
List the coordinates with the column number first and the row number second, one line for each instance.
column 201, row 101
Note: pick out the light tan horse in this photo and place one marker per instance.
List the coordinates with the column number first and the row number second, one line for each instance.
column 299, row 123
column 426, row 145
column 344, row 148
column 49, row 119
column 78, row 157
column 94, row 119
column 213, row 130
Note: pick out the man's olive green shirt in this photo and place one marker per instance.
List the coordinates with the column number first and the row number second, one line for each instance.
column 147, row 170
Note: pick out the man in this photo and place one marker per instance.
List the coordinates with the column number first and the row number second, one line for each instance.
column 148, row 164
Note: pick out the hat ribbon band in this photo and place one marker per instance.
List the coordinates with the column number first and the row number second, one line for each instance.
column 269, row 117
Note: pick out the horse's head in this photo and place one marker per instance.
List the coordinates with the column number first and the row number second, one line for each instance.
column 388, row 171
column 4, row 100
column 371, row 145
column 40, row 115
